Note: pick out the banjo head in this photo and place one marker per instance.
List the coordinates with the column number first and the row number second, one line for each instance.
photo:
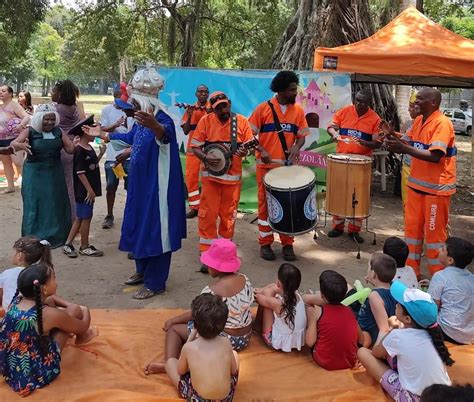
column 220, row 152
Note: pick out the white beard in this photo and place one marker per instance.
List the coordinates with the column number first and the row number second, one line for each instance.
column 148, row 104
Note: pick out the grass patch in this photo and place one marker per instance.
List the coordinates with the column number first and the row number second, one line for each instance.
column 93, row 104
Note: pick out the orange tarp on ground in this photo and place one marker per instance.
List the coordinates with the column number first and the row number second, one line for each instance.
column 410, row 45
column 110, row 368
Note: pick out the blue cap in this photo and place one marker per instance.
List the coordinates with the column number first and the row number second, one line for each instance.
column 419, row 304
column 122, row 105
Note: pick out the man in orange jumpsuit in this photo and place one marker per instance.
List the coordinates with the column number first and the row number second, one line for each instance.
column 220, row 194
column 189, row 122
column 432, row 178
column 353, row 127
column 270, row 153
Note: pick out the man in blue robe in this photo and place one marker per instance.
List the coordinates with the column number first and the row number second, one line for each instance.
column 154, row 220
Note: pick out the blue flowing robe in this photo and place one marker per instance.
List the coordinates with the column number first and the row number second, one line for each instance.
column 154, row 220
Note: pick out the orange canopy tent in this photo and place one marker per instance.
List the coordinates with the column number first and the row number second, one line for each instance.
column 410, row 50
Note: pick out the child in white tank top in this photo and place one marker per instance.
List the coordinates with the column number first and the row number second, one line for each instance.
column 281, row 314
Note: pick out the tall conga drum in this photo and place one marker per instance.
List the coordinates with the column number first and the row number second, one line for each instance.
column 348, row 179
column 291, row 199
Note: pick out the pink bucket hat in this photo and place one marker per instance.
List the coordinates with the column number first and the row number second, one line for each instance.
column 222, row 256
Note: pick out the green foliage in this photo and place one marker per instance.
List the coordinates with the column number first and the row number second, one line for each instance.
column 19, row 17
column 46, row 50
column 462, row 26
column 236, row 34
column 18, row 20
column 102, row 37
column 59, row 17
column 94, row 42
column 438, row 10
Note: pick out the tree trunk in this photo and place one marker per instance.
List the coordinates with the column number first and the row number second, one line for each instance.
column 190, row 34
column 188, row 27
column 402, row 92
column 330, row 23
column 419, row 6
column 48, row 85
column 172, row 41
column 302, row 35
column 43, row 87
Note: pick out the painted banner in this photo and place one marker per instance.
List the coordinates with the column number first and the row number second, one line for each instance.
column 320, row 95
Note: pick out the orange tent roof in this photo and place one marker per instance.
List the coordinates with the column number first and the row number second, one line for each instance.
column 411, row 49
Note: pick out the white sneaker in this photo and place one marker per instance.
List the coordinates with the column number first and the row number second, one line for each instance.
column 19, row 180
column 91, row 251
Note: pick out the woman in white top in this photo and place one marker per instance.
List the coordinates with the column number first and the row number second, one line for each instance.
column 281, row 312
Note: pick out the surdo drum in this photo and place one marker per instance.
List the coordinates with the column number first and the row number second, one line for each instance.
column 291, row 199
column 348, row 178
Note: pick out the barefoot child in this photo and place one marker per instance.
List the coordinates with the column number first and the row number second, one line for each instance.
column 332, row 332
column 281, row 312
column 33, row 334
column 87, row 187
column 380, row 305
column 27, row 250
column 415, row 352
column 207, row 368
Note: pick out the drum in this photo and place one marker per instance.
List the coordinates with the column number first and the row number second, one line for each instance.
column 348, row 178
column 291, row 199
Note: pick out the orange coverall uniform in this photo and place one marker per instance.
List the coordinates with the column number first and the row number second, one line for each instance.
column 193, row 164
column 294, row 125
column 351, row 125
column 430, row 186
column 220, row 194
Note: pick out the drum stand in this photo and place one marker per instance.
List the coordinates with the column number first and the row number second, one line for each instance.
column 354, row 204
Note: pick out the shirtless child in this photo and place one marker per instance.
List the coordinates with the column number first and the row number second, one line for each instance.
column 207, row 368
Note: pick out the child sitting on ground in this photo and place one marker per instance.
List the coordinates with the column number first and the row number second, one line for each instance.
column 332, row 331
column 235, row 290
column 87, row 187
column 398, row 250
column 207, row 368
column 452, row 289
column 27, row 250
column 415, row 351
column 380, row 305
column 281, row 311
column 33, row 333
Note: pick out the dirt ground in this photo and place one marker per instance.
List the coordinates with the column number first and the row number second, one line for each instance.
column 98, row 282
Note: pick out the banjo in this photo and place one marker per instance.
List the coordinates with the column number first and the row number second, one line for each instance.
column 224, row 154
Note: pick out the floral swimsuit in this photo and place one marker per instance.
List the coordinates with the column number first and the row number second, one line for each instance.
column 23, row 364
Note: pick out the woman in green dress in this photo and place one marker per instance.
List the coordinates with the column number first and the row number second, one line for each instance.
column 46, row 210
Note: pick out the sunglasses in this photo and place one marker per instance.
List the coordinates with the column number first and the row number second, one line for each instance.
column 218, row 97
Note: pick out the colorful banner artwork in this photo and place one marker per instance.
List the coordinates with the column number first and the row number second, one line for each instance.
column 320, row 94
